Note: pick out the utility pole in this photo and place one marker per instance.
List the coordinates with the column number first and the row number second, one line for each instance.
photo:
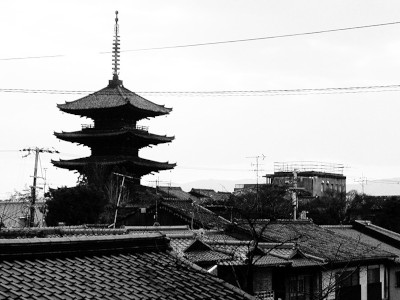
column 119, row 194
column 157, row 182
column 36, row 150
column 45, row 182
column 363, row 180
column 257, row 170
column 295, row 201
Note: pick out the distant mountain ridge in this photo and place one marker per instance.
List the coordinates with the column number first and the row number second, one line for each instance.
column 378, row 187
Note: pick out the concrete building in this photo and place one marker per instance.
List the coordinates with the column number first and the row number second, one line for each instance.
column 312, row 178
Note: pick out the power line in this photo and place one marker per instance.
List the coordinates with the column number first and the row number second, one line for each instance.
column 33, row 57
column 263, row 38
column 221, row 42
column 233, row 93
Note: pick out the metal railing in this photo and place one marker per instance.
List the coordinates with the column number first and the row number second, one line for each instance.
column 307, row 166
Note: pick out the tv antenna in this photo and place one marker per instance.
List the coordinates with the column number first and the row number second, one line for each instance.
column 119, row 194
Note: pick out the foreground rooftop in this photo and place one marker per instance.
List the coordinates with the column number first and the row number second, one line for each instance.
column 104, row 267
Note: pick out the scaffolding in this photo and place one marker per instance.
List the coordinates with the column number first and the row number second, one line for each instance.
column 308, row 166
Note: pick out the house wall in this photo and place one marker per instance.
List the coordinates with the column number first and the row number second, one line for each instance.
column 322, row 184
column 262, row 280
column 329, row 281
column 363, row 282
column 394, row 292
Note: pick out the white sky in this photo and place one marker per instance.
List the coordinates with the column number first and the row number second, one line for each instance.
column 214, row 135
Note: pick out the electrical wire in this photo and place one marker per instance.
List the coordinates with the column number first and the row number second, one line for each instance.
column 221, row 42
column 33, row 57
column 233, row 93
column 263, row 38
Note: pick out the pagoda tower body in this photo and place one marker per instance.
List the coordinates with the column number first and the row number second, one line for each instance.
column 115, row 137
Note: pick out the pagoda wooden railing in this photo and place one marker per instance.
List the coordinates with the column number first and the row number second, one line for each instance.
column 143, row 128
column 137, row 127
column 87, row 126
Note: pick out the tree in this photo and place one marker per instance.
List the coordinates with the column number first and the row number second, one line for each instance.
column 77, row 205
column 329, row 209
column 265, row 202
column 248, row 206
column 15, row 209
column 381, row 210
column 388, row 217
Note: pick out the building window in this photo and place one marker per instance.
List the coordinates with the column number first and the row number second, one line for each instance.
column 373, row 275
column 300, row 287
column 348, row 285
column 397, row 274
column 348, row 278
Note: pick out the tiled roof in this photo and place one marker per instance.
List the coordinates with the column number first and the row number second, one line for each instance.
column 203, row 192
column 84, row 135
column 180, row 244
column 211, row 194
column 353, row 233
column 210, row 236
column 209, row 256
column 234, row 252
column 182, row 231
column 305, row 262
column 175, row 192
column 45, row 232
column 113, row 160
column 269, row 260
column 320, row 242
column 113, row 97
column 104, row 268
column 377, row 229
column 188, row 210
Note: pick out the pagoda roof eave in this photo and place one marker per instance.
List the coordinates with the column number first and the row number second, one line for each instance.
column 80, row 136
column 113, row 97
column 147, row 165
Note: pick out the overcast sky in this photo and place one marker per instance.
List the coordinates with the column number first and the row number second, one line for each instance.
column 214, row 135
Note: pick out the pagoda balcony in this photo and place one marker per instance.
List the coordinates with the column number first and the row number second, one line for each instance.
column 142, row 128
column 87, row 126
column 137, row 127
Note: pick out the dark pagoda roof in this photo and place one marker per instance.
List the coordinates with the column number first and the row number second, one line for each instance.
column 84, row 135
column 146, row 166
column 114, row 96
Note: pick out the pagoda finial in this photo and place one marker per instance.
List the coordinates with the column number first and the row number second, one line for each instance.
column 116, row 54
column 116, row 47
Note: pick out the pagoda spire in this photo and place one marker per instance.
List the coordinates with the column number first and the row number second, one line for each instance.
column 116, row 54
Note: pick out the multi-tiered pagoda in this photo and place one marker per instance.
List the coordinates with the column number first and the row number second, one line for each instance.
column 115, row 138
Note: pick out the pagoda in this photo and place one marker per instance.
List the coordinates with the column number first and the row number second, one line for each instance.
column 115, row 137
